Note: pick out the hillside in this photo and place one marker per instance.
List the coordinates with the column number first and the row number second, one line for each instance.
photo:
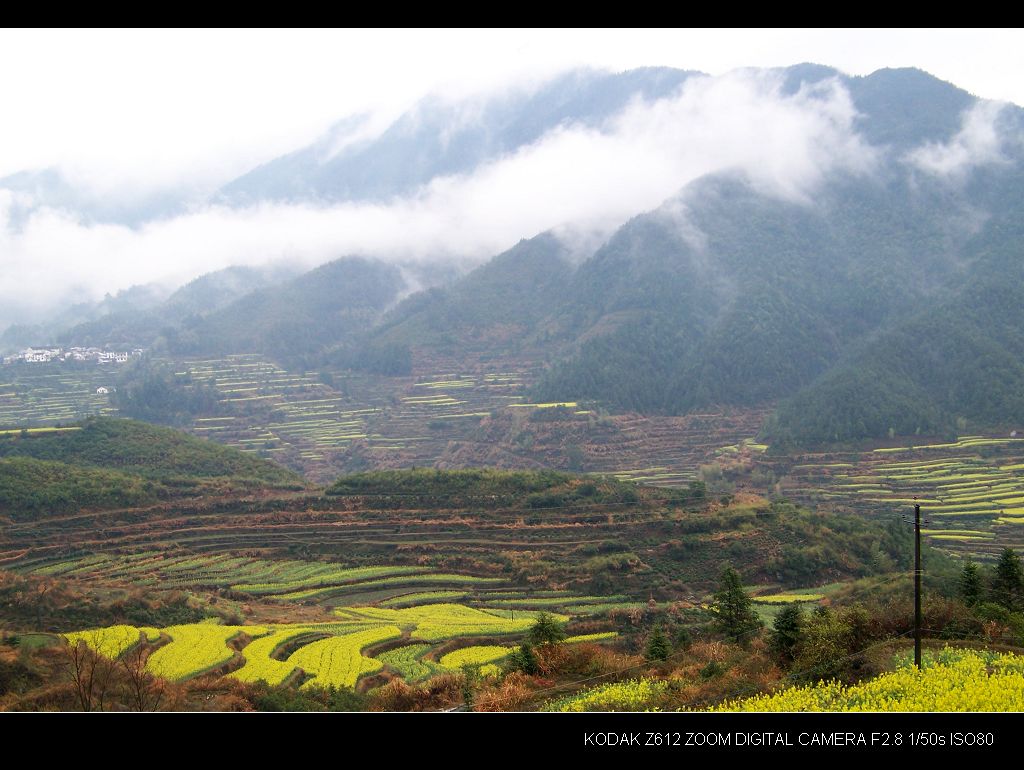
column 954, row 367
column 133, row 327
column 298, row 318
column 496, row 306
column 589, row 534
column 31, row 488
column 140, row 450
column 772, row 295
column 727, row 295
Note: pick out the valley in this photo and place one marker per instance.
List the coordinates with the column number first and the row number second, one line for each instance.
column 397, row 451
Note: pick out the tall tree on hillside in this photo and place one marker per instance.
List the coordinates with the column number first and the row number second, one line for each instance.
column 545, row 630
column 733, row 610
column 787, row 633
column 658, row 647
column 970, row 583
column 524, row 659
column 1008, row 581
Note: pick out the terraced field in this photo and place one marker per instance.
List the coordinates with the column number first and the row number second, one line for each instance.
column 409, row 662
column 450, row 413
column 485, row 656
column 949, row 680
column 33, row 395
column 770, row 600
column 323, row 654
column 487, row 605
column 337, row 661
column 971, row 491
column 313, row 423
column 113, row 640
column 197, row 648
column 278, row 580
column 437, row 622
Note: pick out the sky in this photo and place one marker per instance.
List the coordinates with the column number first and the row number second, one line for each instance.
column 125, row 114
column 163, row 106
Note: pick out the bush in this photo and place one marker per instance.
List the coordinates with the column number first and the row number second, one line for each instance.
column 522, row 659
column 712, row 670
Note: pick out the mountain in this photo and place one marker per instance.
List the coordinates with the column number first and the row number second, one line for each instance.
column 499, row 301
column 879, row 299
column 767, row 299
column 131, row 305
column 122, row 323
column 140, row 448
column 50, row 188
column 299, row 318
column 441, row 138
column 954, row 366
column 890, row 302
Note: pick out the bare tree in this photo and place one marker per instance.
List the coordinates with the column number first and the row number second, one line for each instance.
column 143, row 691
column 42, row 588
column 91, row 674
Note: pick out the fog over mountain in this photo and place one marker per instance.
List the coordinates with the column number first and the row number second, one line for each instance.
column 454, row 182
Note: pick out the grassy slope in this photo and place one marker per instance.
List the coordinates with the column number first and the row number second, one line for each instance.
column 144, row 450
column 29, row 487
column 114, row 463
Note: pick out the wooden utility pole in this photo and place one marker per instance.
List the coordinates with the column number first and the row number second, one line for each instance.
column 917, row 585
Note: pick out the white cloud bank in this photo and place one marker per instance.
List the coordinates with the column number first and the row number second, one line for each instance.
column 581, row 180
column 977, row 143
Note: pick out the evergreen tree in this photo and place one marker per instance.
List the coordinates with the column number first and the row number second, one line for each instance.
column 787, row 633
column 681, row 639
column 657, row 645
column 1008, row 581
column 546, row 630
column 524, row 659
column 732, row 608
column 970, row 583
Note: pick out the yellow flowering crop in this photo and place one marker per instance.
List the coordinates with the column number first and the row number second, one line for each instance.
column 955, row 680
column 110, row 641
column 196, row 648
column 338, row 661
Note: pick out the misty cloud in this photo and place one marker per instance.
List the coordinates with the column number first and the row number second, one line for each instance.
column 583, row 182
column 977, row 143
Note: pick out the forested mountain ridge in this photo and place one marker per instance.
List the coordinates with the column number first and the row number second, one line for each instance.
column 298, row 318
column 726, row 295
column 877, row 296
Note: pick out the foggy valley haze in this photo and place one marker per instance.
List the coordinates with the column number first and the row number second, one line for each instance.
column 450, row 175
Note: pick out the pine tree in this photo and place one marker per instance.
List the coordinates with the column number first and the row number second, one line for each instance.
column 970, row 583
column 546, row 630
column 1008, row 582
column 733, row 610
column 787, row 633
column 524, row 659
column 681, row 639
column 657, row 645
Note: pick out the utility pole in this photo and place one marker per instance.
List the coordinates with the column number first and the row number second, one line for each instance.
column 917, row 585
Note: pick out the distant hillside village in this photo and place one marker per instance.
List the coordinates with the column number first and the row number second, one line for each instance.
column 95, row 355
